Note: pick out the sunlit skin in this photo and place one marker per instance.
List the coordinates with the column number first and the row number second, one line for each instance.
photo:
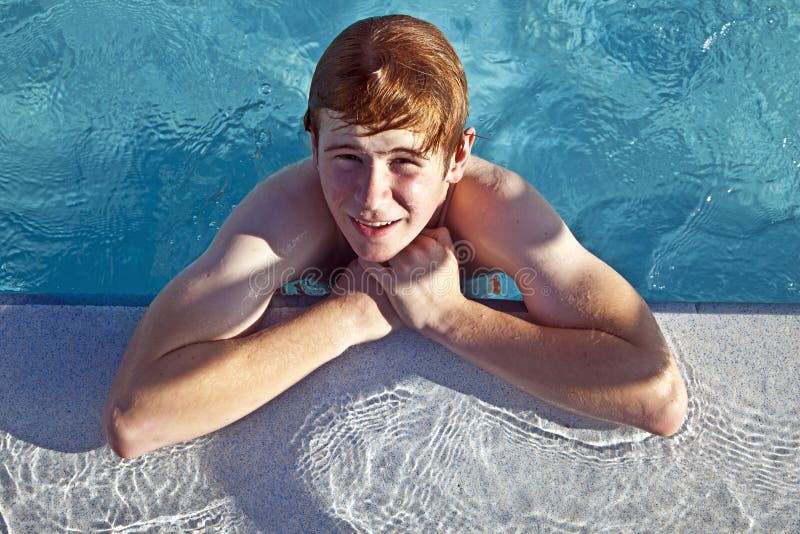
column 379, row 178
column 201, row 357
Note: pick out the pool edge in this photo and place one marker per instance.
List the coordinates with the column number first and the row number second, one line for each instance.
column 304, row 301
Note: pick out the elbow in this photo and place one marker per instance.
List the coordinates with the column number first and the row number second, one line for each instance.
column 120, row 433
column 666, row 406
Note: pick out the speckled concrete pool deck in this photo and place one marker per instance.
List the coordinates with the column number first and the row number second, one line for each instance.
column 403, row 435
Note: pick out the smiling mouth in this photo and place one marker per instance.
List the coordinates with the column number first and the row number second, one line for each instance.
column 374, row 224
column 373, row 228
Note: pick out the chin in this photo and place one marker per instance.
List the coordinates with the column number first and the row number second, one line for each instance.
column 380, row 250
column 376, row 256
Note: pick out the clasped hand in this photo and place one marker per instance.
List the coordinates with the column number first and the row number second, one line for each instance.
column 415, row 288
column 421, row 282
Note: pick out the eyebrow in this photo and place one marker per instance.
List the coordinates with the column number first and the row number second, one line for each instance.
column 395, row 150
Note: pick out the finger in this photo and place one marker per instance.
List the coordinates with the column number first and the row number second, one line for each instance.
column 429, row 232
column 437, row 243
column 414, row 254
column 376, row 271
column 366, row 264
column 343, row 280
column 441, row 234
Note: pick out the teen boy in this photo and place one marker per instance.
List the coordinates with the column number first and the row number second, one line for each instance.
column 386, row 113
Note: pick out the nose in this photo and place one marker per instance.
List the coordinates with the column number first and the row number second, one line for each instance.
column 375, row 187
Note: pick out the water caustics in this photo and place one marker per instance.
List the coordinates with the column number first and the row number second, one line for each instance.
column 44, row 490
column 420, row 457
column 663, row 136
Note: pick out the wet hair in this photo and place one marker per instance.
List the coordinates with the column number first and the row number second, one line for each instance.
column 393, row 72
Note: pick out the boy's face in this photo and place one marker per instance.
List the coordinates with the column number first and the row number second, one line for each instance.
column 380, row 189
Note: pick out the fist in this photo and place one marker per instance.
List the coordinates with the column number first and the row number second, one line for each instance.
column 377, row 317
column 422, row 280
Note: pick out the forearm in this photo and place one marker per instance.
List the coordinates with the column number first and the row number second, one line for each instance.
column 202, row 387
column 586, row 371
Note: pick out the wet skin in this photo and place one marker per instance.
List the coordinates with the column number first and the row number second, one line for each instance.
column 201, row 359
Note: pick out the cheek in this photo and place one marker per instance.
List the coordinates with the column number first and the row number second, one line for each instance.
column 421, row 196
column 334, row 186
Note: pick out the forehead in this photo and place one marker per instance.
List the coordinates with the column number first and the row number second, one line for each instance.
column 334, row 130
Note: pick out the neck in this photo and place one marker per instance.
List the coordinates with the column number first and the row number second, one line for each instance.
column 437, row 219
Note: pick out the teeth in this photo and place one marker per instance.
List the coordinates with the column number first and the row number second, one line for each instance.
column 374, row 224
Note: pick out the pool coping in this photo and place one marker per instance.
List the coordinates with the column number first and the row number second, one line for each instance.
column 304, row 301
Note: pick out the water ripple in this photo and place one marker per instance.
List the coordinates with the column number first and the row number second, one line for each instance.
column 172, row 100
column 420, row 457
column 43, row 490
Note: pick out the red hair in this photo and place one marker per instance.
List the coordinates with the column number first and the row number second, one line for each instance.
column 393, row 72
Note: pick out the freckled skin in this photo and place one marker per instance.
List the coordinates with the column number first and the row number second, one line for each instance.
column 362, row 177
column 201, row 359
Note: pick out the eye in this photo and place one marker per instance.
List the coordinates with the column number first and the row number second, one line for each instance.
column 347, row 157
column 405, row 162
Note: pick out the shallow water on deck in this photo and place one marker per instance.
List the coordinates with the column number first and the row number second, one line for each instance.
column 417, row 457
column 402, row 435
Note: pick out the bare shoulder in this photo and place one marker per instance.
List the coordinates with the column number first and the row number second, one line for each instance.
column 514, row 229
column 281, row 227
column 503, row 213
column 286, row 214
column 278, row 229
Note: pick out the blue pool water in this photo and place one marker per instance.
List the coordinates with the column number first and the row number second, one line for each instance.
column 665, row 134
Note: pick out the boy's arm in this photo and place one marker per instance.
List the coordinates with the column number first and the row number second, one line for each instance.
column 192, row 368
column 590, row 345
column 199, row 388
column 590, row 372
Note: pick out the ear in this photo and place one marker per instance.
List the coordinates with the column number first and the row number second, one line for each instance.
column 314, row 149
column 458, row 162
